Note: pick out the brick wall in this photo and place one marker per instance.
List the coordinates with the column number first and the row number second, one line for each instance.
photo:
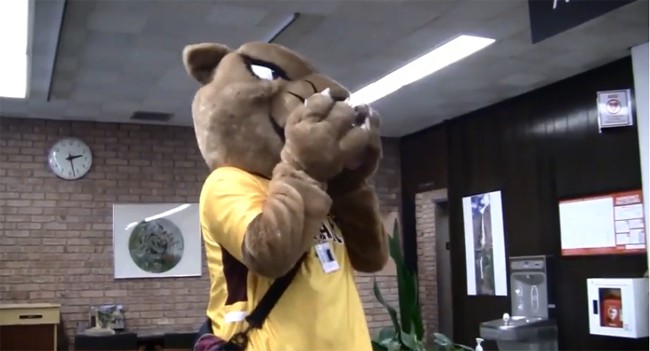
column 426, row 243
column 56, row 236
column 388, row 184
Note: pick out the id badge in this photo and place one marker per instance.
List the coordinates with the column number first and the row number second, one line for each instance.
column 327, row 258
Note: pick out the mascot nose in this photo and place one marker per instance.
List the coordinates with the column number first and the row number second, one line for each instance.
column 363, row 112
column 339, row 94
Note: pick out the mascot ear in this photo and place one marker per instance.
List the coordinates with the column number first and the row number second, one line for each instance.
column 201, row 59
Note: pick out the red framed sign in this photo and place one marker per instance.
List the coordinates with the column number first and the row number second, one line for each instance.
column 607, row 224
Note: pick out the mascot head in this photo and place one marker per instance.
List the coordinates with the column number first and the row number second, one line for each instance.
column 245, row 98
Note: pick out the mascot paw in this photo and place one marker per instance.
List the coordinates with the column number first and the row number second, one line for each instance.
column 325, row 135
column 364, row 164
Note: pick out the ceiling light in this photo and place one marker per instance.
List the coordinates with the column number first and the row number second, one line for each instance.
column 282, row 26
column 14, row 28
column 437, row 59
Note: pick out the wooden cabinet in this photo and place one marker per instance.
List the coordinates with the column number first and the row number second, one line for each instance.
column 29, row 327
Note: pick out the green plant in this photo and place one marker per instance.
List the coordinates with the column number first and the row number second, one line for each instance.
column 407, row 331
column 443, row 343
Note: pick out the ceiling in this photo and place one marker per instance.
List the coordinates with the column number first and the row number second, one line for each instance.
column 117, row 57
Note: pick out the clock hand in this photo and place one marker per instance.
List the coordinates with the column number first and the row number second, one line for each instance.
column 72, row 166
column 72, row 157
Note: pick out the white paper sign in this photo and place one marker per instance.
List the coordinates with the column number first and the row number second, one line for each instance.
column 614, row 109
column 485, row 251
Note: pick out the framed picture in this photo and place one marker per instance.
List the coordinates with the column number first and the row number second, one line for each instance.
column 615, row 109
column 485, row 252
column 156, row 240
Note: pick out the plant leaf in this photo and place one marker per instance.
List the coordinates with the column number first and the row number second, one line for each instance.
column 416, row 315
column 409, row 341
column 418, row 324
column 386, row 333
column 463, row 347
column 378, row 347
column 419, row 343
column 404, row 280
column 441, row 337
column 410, row 310
column 442, row 340
column 407, row 283
column 395, row 248
column 395, row 346
column 387, row 342
column 389, row 308
column 408, row 330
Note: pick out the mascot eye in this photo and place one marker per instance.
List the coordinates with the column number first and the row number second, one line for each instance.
column 263, row 72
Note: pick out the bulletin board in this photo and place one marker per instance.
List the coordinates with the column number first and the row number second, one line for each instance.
column 606, row 224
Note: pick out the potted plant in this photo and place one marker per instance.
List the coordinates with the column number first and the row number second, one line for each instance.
column 407, row 331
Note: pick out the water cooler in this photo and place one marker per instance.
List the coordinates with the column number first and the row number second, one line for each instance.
column 527, row 327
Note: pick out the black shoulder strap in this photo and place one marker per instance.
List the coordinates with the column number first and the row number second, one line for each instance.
column 256, row 318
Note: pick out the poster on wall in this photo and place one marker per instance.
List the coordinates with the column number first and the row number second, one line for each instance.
column 606, row 224
column 156, row 241
column 485, row 253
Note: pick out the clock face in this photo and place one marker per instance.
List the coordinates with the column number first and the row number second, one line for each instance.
column 70, row 158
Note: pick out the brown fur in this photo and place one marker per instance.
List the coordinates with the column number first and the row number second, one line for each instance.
column 234, row 114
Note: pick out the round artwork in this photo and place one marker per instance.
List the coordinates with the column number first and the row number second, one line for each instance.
column 156, row 246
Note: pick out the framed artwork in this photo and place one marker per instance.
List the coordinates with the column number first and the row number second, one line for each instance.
column 156, row 241
column 485, row 252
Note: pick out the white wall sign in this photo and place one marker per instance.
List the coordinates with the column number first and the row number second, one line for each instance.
column 485, row 253
column 615, row 109
column 605, row 224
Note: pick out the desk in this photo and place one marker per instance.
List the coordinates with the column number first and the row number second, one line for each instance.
column 180, row 341
column 143, row 340
column 29, row 327
column 149, row 340
column 120, row 341
column 167, row 339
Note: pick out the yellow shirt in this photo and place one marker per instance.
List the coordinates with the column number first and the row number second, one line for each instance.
column 318, row 312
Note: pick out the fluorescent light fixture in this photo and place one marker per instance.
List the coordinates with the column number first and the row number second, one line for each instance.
column 282, row 26
column 14, row 31
column 437, row 59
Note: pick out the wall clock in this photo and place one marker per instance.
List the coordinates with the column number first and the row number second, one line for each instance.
column 70, row 158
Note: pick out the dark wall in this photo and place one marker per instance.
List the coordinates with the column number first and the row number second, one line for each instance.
column 424, row 167
column 535, row 148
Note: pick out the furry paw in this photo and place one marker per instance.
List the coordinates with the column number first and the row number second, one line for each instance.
column 364, row 164
column 325, row 135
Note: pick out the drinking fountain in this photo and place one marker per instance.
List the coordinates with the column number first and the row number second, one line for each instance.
column 529, row 328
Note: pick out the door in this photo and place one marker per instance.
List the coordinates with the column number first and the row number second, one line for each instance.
column 443, row 264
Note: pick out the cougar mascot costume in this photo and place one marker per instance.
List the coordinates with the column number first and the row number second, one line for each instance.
column 288, row 192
